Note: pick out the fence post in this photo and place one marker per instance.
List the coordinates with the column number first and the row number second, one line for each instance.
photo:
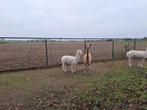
column 134, row 44
column 113, row 55
column 60, row 39
column 46, row 52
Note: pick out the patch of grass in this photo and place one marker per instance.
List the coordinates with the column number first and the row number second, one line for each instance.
column 126, row 89
column 3, row 42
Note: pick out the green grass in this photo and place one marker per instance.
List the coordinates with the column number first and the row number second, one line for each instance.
column 3, row 42
column 123, row 90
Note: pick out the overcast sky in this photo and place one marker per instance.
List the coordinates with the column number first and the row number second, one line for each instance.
column 73, row 18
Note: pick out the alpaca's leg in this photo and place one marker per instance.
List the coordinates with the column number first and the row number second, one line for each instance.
column 64, row 67
column 89, row 67
column 72, row 68
column 75, row 68
column 84, row 67
column 129, row 62
column 141, row 64
column 138, row 63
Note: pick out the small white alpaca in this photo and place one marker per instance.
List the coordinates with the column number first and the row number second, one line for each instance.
column 87, row 58
column 72, row 60
column 136, row 54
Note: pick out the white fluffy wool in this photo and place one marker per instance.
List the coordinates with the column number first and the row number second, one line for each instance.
column 136, row 54
column 72, row 60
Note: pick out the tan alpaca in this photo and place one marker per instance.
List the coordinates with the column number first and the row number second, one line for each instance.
column 87, row 58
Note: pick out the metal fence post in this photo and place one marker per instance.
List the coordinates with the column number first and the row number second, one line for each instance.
column 60, row 39
column 113, row 55
column 46, row 52
column 134, row 44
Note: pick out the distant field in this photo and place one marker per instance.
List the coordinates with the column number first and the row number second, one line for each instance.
column 32, row 54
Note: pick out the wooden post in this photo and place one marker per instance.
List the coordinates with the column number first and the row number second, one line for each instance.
column 134, row 44
column 113, row 55
column 46, row 52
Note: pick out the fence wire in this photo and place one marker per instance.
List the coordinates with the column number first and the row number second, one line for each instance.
column 24, row 53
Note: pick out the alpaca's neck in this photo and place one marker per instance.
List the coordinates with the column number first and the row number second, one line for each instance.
column 78, row 57
column 87, row 59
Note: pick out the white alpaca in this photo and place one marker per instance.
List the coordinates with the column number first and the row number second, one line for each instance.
column 72, row 60
column 136, row 54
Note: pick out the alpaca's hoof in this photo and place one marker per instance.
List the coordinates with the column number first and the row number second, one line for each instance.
column 130, row 65
column 140, row 65
column 85, row 71
column 65, row 70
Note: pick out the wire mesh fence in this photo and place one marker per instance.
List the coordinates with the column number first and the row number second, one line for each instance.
column 23, row 53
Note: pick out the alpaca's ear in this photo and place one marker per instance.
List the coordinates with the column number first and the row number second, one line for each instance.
column 89, row 45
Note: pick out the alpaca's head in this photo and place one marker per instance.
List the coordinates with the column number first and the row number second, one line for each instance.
column 87, row 47
column 79, row 52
